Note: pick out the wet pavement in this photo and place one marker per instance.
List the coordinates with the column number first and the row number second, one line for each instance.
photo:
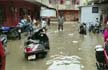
column 69, row 51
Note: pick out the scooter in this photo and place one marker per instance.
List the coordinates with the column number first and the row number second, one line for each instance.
column 101, row 58
column 37, row 45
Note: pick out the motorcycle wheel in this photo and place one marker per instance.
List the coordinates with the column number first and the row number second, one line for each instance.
column 42, row 54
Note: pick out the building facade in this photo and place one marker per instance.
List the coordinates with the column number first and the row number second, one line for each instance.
column 103, row 6
column 12, row 11
column 69, row 8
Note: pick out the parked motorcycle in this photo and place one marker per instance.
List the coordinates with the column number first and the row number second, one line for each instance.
column 24, row 26
column 3, row 39
column 11, row 32
column 37, row 45
column 91, row 27
column 94, row 29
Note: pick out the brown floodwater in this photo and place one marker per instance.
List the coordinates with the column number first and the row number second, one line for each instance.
column 69, row 51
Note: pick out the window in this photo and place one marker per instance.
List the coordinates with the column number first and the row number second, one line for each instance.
column 95, row 9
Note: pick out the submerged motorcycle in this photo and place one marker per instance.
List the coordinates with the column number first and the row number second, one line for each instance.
column 37, row 45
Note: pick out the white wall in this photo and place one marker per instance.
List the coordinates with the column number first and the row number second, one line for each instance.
column 87, row 16
column 47, row 13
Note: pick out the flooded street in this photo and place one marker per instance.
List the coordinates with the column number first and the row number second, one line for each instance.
column 69, row 51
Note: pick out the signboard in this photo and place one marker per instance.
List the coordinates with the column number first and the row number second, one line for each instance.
column 48, row 13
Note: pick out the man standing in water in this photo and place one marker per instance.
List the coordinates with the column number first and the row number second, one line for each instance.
column 60, row 22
